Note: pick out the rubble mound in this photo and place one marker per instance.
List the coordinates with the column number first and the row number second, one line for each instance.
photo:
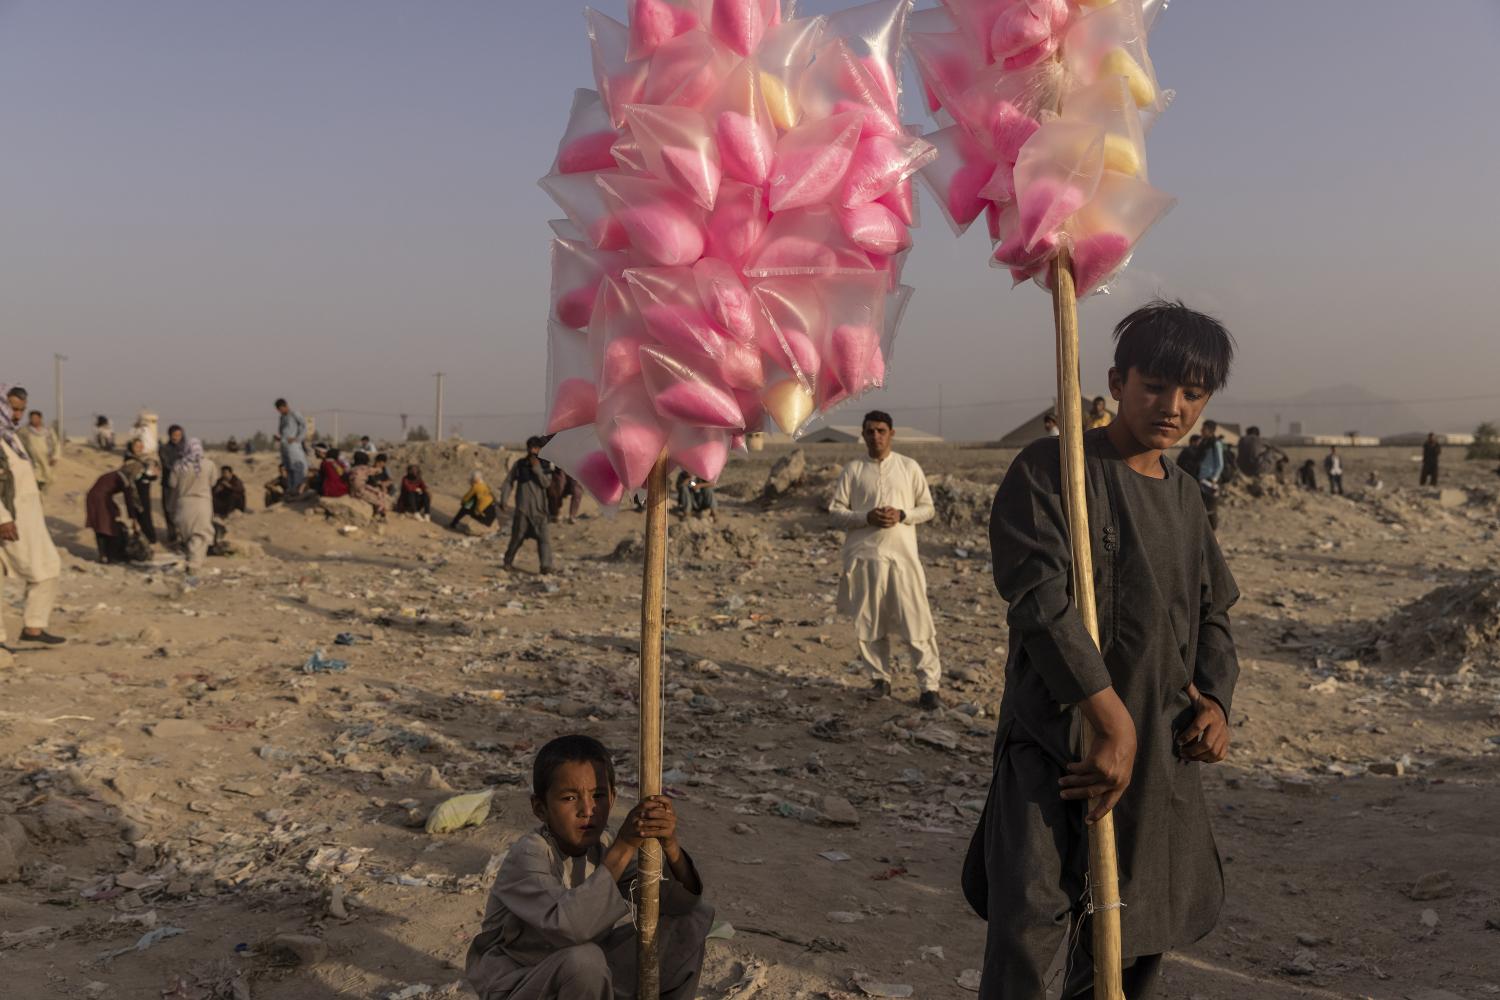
column 695, row 541
column 1454, row 627
column 446, row 465
column 961, row 503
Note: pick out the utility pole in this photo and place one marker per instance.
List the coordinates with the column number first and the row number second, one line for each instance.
column 940, row 409
column 437, row 432
column 57, row 363
column 403, row 427
column 336, row 437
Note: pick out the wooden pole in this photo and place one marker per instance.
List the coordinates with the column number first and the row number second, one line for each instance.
column 652, row 624
column 1104, row 874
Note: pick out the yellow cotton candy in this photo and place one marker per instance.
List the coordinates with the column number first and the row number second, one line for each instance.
column 779, row 100
column 1121, row 156
column 1120, row 63
column 789, row 404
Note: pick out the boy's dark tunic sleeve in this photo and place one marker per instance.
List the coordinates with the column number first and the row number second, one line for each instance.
column 1163, row 594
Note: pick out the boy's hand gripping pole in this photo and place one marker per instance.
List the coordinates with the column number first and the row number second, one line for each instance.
column 652, row 624
column 1104, row 875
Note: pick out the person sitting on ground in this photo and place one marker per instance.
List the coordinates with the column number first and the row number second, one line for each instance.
column 104, row 434
column 276, row 489
column 415, row 498
column 229, row 493
column 232, row 445
column 1307, row 476
column 696, row 497
column 1374, row 482
column 361, row 486
column 330, row 476
column 559, row 923
column 365, row 446
column 478, row 503
column 380, row 475
column 102, row 513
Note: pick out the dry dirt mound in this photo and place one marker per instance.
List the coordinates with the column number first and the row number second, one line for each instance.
column 446, row 464
column 700, row 542
column 1454, row 627
column 961, row 503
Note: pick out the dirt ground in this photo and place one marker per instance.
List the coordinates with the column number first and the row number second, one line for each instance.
column 176, row 791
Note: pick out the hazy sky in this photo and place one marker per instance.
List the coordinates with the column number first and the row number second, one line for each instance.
column 207, row 204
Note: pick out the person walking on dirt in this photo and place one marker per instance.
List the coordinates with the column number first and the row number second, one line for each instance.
column 531, row 477
column 879, row 501
column 1431, row 451
column 1334, row 467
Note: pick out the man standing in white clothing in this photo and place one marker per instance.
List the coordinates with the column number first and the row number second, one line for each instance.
column 26, row 549
column 879, row 501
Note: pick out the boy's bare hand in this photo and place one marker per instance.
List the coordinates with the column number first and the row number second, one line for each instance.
column 1206, row 738
column 8, row 532
column 653, row 818
column 1104, row 773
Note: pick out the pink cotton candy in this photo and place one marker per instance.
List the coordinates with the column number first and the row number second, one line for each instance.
column 1045, row 205
column 665, row 232
column 738, row 222
column 1039, row 52
column 875, row 228
column 1017, row 29
column 902, row 199
column 587, row 153
column 575, row 404
column 607, row 233
column 880, row 74
column 598, row 476
column 872, row 120
column 811, row 162
column 742, row 368
column 653, row 23
column 576, row 308
column 876, row 166
column 699, row 404
column 702, row 451
column 621, row 363
column 1096, row 257
column 741, row 24
column 793, row 352
column 695, row 173
column 964, row 202
column 1010, row 127
column 1013, row 253
column 743, row 148
column 856, row 359
column 726, row 299
column 633, row 448
column 682, row 328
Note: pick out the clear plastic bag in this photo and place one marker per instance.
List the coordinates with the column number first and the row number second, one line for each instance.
column 742, row 369
column 850, row 342
column 742, row 24
column 577, row 272
column 956, row 177
column 811, row 161
column 702, row 451
column 616, row 336
column 743, row 128
column 875, row 229
column 1111, row 41
column 683, row 394
column 1002, row 109
column 1057, row 174
column 902, row 198
column 1012, row 251
column 687, row 71
column 582, row 199
column 578, row 453
column 590, row 136
column 667, row 298
column 796, row 320
column 1108, row 105
column 947, row 63
column 727, row 301
column 661, row 223
column 880, row 163
column 632, row 434
column 874, row 32
column 789, row 404
column 1106, row 230
column 783, row 58
column 677, row 147
column 572, row 398
column 1028, row 31
column 806, row 241
column 840, row 82
column 654, row 23
column 737, row 223
column 619, row 81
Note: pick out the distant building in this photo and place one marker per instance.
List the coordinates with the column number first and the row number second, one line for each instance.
column 850, row 434
column 1415, row 439
column 1036, row 427
column 1326, row 440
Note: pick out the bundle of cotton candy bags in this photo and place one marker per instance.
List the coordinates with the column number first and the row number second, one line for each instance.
column 1044, row 107
column 738, row 193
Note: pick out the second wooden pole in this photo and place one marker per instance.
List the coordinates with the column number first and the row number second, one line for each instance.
column 653, row 587
column 1104, row 873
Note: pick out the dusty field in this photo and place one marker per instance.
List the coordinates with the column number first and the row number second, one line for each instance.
column 174, row 770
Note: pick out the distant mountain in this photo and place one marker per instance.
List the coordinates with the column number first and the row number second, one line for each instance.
column 1336, row 409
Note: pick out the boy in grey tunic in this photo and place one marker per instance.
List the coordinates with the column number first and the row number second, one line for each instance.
column 1157, row 696
column 559, row 924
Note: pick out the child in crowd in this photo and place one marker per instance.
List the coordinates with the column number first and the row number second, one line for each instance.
column 559, row 924
column 1157, row 698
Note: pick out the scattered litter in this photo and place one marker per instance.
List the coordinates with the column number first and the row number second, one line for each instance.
column 344, row 860
column 146, row 941
column 969, row 980
column 415, row 990
column 834, row 856
column 344, row 639
column 889, row 874
column 874, row 989
column 722, row 930
column 319, row 663
column 460, row 811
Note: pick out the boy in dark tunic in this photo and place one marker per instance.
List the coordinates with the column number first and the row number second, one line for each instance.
column 1157, row 697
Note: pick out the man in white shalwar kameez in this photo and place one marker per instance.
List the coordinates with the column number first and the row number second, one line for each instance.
column 879, row 501
column 26, row 549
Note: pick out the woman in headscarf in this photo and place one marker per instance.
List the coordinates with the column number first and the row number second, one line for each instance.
column 193, row 480
column 360, row 486
column 26, row 549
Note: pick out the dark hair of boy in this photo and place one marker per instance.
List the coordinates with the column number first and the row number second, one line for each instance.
column 279, row 403
column 1171, row 341
column 36, row 413
column 572, row 749
column 535, row 442
column 174, row 427
column 361, row 458
column 382, row 457
column 879, row 417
